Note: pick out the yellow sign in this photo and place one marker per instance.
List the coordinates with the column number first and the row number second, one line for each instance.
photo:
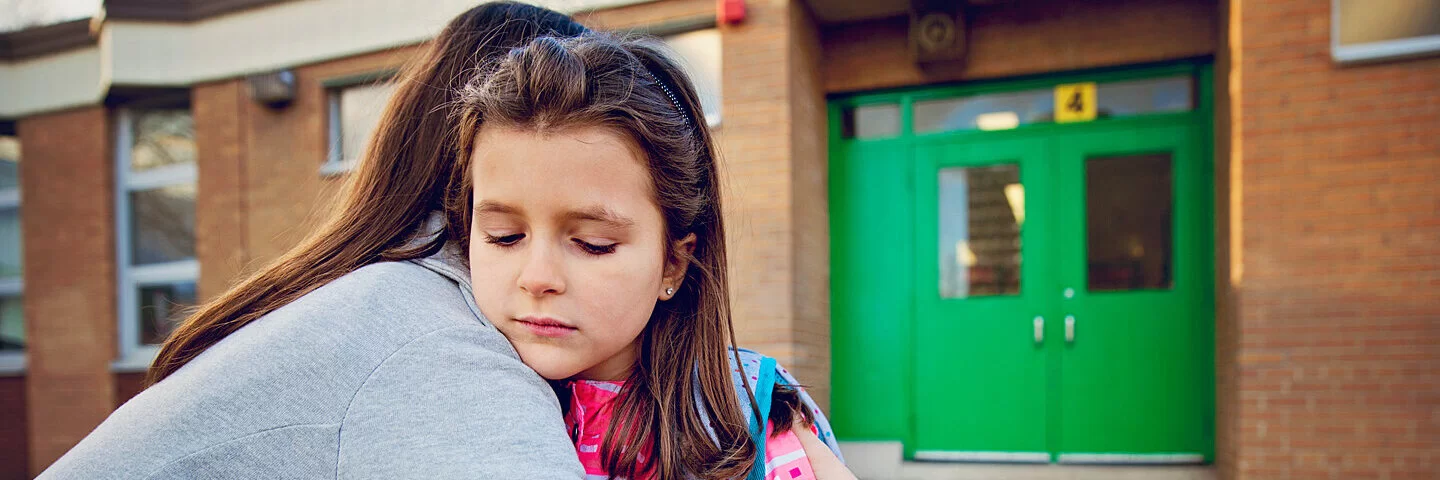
column 1075, row 102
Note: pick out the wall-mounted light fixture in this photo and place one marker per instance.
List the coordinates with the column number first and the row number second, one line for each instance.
column 274, row 89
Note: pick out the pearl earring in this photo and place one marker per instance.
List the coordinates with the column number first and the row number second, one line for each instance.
column 669, row 291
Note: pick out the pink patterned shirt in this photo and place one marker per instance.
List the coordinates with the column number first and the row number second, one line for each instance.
column 589, row 417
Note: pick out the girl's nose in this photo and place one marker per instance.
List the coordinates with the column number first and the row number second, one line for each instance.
column 541, row 274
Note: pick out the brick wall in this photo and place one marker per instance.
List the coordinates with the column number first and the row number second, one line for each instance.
column 69, row 235
column 285, row 196
column 1227, row 187
column 810, row 206
column 128, row 385
column 775, row 196
column 1336, row 172
column 14, row 446
column 261, row 191
column 220, row 141
column 1021, row 38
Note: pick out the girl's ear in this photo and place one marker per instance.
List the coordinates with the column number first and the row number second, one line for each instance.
column 676, row 266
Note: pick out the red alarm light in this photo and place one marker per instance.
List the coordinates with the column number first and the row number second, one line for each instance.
column 730, row 11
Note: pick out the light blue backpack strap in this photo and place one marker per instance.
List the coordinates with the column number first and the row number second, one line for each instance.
column 764, row 386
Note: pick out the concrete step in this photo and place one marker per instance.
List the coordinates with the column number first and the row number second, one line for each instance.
column 885, row 461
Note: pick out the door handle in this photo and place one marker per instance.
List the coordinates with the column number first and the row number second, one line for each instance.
column 1039, row 329
column 1069, row 329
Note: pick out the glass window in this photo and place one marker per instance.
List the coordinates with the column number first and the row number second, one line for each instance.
column 162, row 307
column 12, row 323
column 354, row 113
column 982, row 210
column 1003, row 111
column 1380, row 29
column 1129, row 222
column 11, row 256
column 9, row 162
column 12, row 318
column 162, row 138
column 998, row 111
column 1150, row 95
column 699, row 53
column 870, row 121
column 158, row 268
column 162, row 224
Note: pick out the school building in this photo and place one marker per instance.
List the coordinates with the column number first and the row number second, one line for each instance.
column 999, row 238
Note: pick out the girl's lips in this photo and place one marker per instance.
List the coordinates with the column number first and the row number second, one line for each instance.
column 546, row 327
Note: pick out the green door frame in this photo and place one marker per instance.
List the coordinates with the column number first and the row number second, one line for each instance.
column 873, row 323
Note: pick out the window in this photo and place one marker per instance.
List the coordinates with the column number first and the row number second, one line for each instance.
column 982, row 210
column 355, row 108
column 699, row 55
column 12, row 318
column 870, row 121
column 1367, row 30
column 155, row 211
column 1007, row 110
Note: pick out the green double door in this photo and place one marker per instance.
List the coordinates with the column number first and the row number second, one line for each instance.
column 1062, row 296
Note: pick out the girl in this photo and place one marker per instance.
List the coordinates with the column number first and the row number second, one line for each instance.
column 358, row 354
column 598, row 250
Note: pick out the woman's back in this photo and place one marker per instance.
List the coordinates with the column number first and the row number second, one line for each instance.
column 387, row 372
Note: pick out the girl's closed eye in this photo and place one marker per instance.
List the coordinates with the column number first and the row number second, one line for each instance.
column 504, row 240
column 596, row 248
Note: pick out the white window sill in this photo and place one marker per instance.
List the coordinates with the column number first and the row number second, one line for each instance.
column 1385, row 50
column 137, row 361
column 335, row 169
column 12, row 364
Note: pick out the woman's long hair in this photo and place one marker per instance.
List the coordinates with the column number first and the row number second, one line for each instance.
column 405, row 174
column 629, row 87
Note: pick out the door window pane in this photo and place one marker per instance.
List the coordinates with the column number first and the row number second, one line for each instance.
column 12, row 323
column 162, row 307
column 1129, row 222
column 997, row 111
column 982, row 210
column 871, row 121
column 162, row 138
column 162, row 224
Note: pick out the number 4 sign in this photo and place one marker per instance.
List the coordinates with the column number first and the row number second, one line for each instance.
column 1075, row 102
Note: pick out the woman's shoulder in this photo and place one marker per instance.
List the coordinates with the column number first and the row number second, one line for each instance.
column 345, row 328
column 403, row 298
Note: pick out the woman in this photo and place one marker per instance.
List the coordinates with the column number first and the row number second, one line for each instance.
column 360, row 353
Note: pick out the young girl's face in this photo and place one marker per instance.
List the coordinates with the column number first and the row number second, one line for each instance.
column 567, row 248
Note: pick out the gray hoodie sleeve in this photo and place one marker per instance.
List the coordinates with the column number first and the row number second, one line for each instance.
column 448, row 425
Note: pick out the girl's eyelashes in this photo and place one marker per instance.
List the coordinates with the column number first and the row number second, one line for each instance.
column 512, row 239
column 504, row 241
column 596, row 249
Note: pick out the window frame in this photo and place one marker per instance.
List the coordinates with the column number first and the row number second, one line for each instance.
column 1376, row 51
column 13, row 362
column 334, row 163
column 134, row 355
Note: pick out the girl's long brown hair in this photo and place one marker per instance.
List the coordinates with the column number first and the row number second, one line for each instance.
column 632, row 89
column 407, row 172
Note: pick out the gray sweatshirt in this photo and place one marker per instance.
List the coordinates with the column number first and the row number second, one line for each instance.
column 388, row 372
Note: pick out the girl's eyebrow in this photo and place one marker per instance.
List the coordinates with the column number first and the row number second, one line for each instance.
column 599, row 214
column 490, row 206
